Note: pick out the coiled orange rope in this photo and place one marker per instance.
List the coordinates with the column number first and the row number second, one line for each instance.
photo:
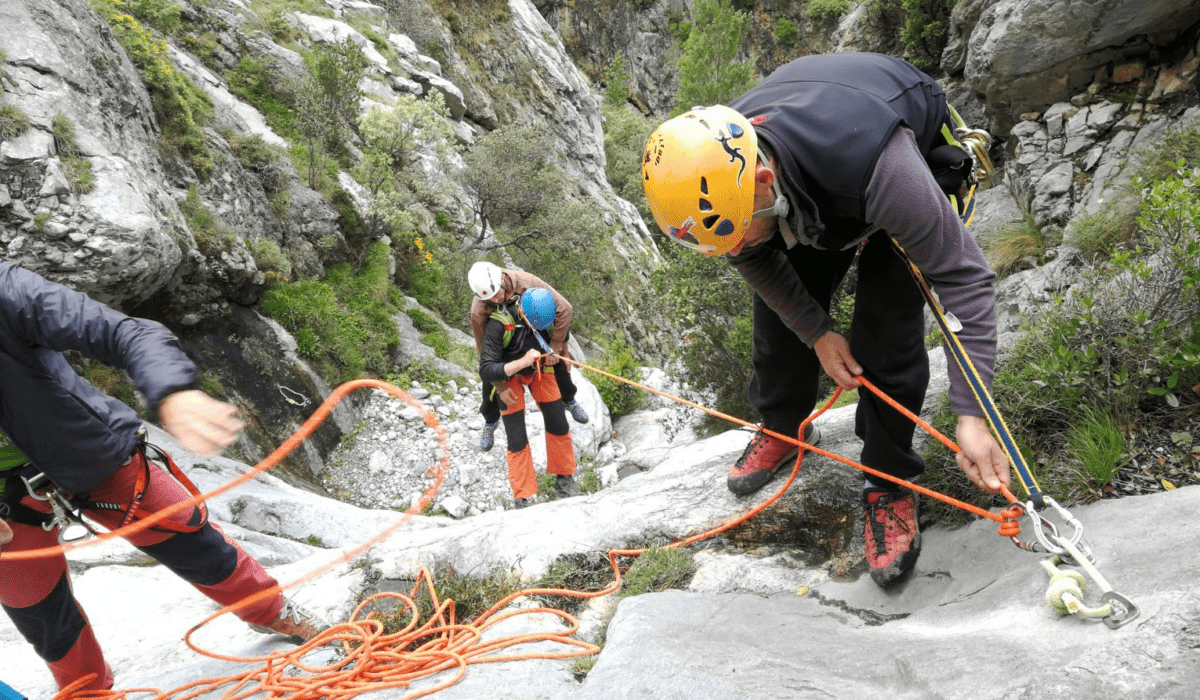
column 371, row 659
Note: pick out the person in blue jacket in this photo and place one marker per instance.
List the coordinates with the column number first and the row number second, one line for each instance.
column 821, row 166
column 89, row 450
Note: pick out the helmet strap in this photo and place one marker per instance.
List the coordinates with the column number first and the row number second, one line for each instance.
column 780, row 208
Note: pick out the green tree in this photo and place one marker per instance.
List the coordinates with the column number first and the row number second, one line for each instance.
column 710, row 303
column 511, row 175
column 616, row 81
column 625, row 134
column 391, row 137
column 327, row 100
column 924, row 31
column 708, row 73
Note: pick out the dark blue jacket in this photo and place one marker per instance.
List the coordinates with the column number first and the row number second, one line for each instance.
column 71, row 431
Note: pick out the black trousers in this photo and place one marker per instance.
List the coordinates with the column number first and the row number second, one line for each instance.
column 886, row 338
column 490, row 407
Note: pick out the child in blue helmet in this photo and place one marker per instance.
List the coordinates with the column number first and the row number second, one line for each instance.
column 515, row 337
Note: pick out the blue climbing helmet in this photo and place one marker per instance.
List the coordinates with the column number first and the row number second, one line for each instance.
column 537, row 305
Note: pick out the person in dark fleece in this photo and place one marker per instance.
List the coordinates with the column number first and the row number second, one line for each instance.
column 64, row 440
column 816, row 168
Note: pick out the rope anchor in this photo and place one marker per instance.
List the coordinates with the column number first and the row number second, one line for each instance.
column 1065, row 593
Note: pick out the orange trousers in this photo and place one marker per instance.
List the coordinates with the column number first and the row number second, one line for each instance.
column 560, row 452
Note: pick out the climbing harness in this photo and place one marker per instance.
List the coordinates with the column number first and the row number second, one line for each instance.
column 66, row 511
column 63, row 514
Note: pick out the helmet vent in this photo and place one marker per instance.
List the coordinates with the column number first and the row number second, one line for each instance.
column 710, row 220
column 724, row 228
column 705, row 205
column 704, row 185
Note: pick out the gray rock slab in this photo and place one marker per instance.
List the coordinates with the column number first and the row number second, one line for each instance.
column 971, row 622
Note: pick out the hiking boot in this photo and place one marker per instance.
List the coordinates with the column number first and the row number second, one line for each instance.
column 762, row 458
column 522, row 503
column 893, row 540
column 566, row 487
column 294, row 622
column 487, row 436
column 577, row 412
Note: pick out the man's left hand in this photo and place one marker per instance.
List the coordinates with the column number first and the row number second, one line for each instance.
column 982, row 459
column 6, row 533
column 201, row 423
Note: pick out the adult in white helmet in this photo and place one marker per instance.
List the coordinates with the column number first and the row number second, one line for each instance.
column 807, row 173
column 493, row 286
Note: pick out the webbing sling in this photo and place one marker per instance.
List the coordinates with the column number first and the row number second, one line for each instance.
column 949, row 326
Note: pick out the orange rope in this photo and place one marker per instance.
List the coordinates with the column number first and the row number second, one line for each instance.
column 1009, row 527
column 372, row 659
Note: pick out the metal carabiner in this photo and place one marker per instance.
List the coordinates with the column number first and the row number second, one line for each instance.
column 1050, row 543
column 62, row 514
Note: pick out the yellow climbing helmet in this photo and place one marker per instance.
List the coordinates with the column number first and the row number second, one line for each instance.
column 698, row 171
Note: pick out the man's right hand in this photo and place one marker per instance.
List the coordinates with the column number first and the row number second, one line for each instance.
column 6, row 533
column 834, row 353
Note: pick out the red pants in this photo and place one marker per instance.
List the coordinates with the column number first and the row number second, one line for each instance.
column 36, row 593
column 560, row 453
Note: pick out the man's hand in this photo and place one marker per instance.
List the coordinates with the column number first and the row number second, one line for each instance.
column 201, row 423
column 834, row 353
column 560, row 350
column 6, row 534
column 982, row 459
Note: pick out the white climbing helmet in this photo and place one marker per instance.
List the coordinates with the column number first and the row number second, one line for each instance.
column 485, row 280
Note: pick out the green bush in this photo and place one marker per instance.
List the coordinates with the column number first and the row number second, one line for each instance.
column 182, row 108
column 271, row 261
column 472, row 596
column 1097, row 441
column 163, row 15
column 625, row 135
column 822, row 10
column 211, row 236
column 1006, row 246
column 344, row 322
column 1098, row 235
column 110, row 380
column 659, row 570
column 620, row 397
column 13, row 122
column 786, row 32
column 924, row 31
column 255, row 82
column 709, row 302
